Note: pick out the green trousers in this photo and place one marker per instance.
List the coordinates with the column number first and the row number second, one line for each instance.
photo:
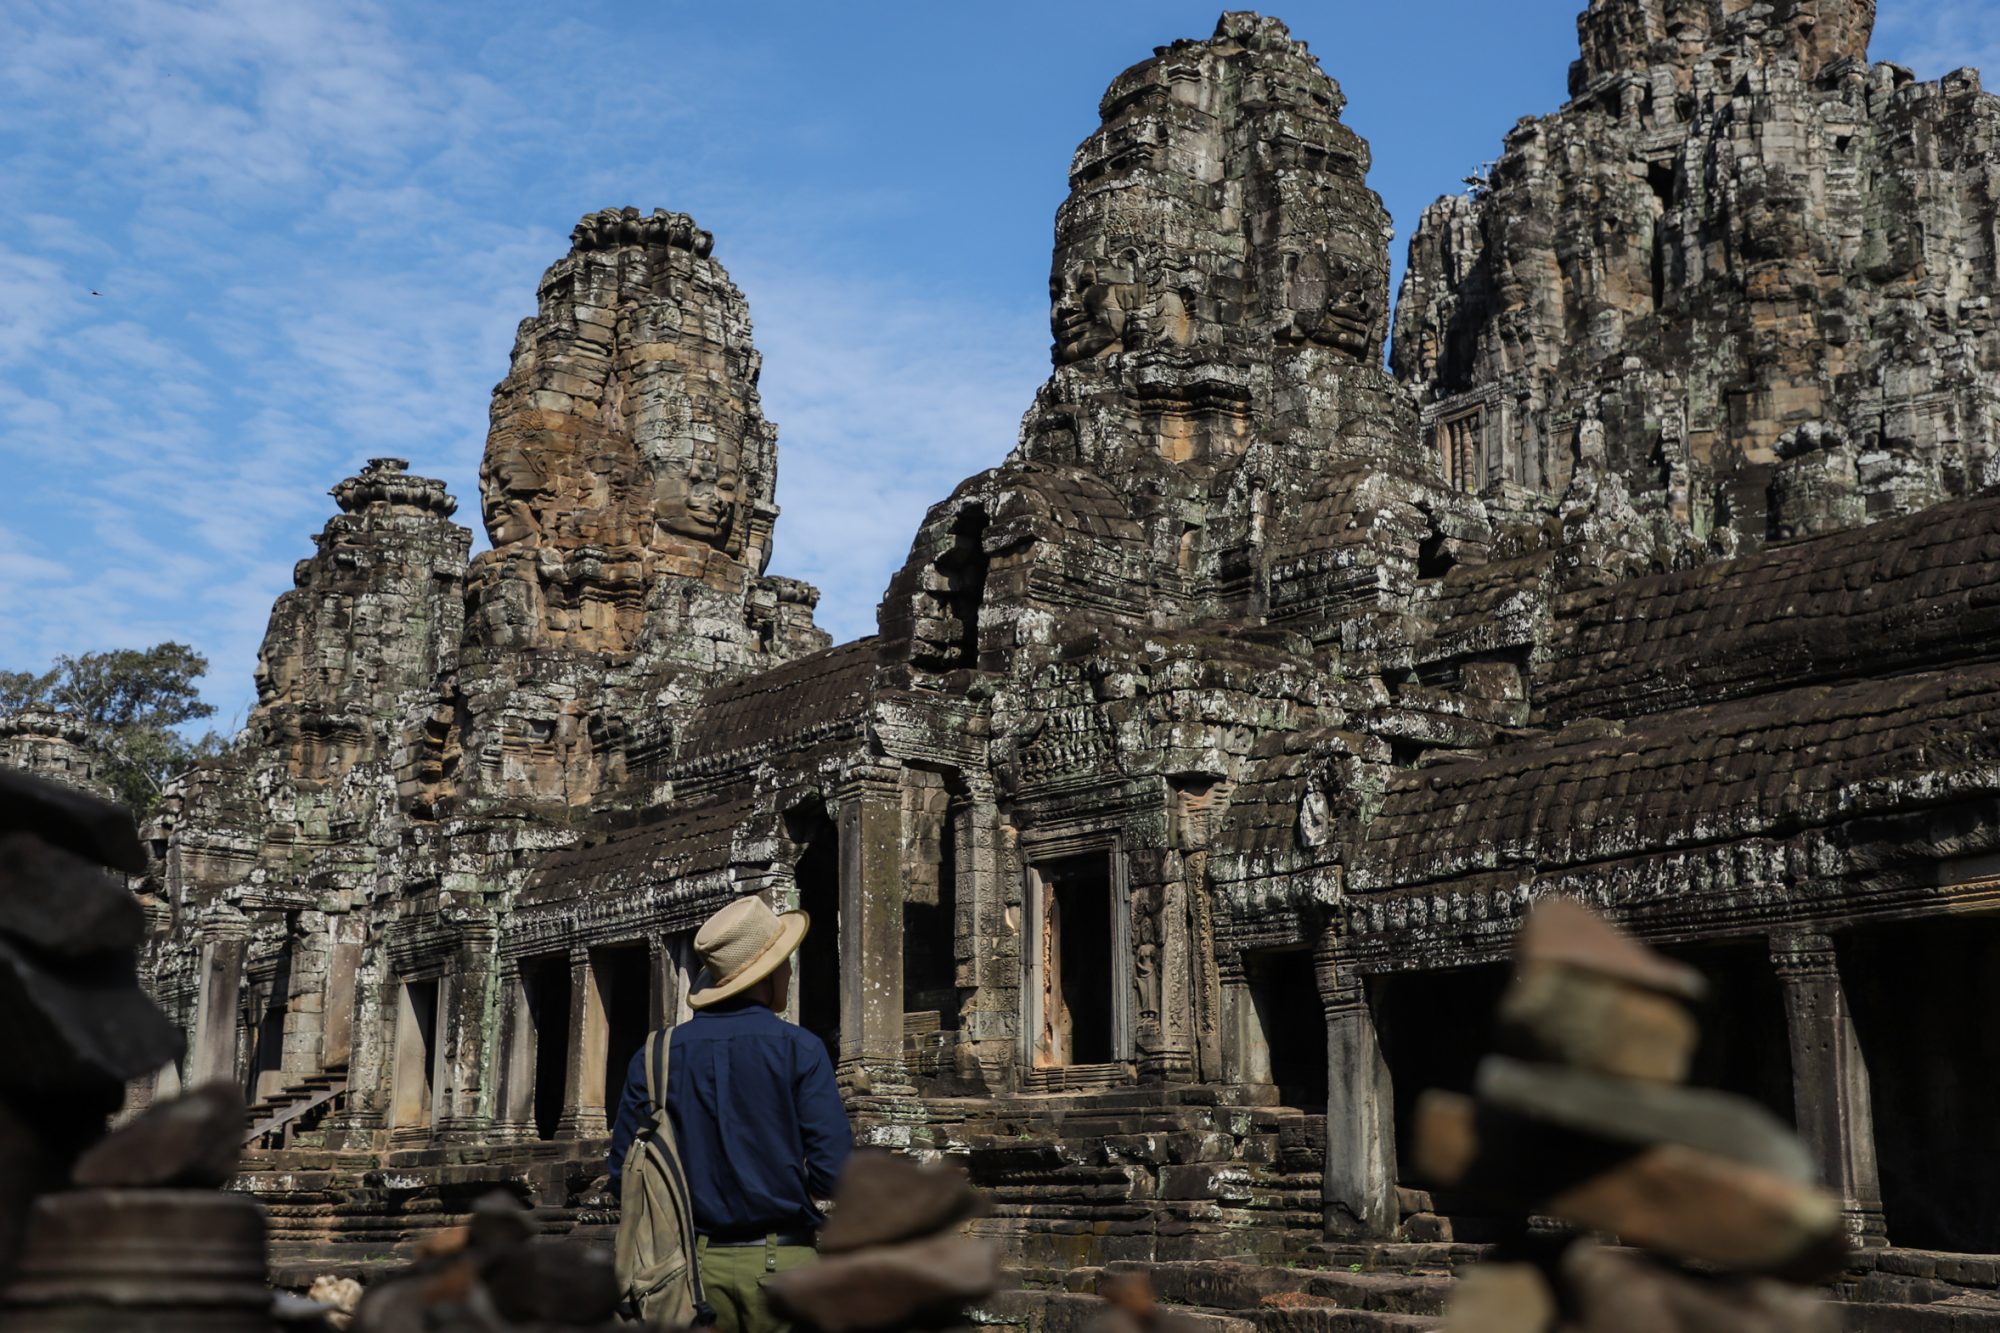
column 732, row 1276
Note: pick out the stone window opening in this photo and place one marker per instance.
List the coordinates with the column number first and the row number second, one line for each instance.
column 930, row 912
column 1457, row 442
column 417, row 1055
column 947, row 637
column 1665, row 184
column 546, row 982
column 1080, row 962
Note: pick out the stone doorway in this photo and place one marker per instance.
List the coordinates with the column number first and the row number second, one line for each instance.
column 816, row 985
column 416, row 1055
column 1293, row 1023
column 1744, row 1046
column 930, row 915
column 1922, row 995
column 1434, row 1028
column 622, row 974
column 1080, row 960
column 546, row 981
column 272, row 998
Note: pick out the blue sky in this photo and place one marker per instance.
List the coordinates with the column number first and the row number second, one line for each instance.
column 246, row 245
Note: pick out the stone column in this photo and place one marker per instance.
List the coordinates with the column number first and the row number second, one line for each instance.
column 660, row 984
column 871, row 929
column 465, row 1002
column 988, row 933
column 1830, row 1100
column 1358, row 1184
column 514, row 1113
column 1245, row 1055
column 371, row 1062
column 583, row 1076
column 219, row 999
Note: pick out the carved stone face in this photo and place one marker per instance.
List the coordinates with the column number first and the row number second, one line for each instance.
column 1091, row 306
column 1333, row 300
column 702, row 507
column 509, row 480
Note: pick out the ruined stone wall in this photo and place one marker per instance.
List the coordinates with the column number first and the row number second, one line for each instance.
column 1743, row 270
column 53, row 745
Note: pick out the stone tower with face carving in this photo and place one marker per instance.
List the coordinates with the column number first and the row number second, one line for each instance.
column 627, row 490
column 629, row 472
column 1221, row 268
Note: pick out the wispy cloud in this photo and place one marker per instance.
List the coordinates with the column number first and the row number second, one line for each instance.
column 885, row 399
column 249, row 243
column 1934, row 37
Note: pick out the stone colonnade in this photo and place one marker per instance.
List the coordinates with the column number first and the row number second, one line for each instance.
column 1829, row 1077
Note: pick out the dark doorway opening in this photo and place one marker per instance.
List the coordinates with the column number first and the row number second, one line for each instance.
column 416, row 1053
column 267, row 1053
column 930, row 927
column 546, row 981
column 1294, row 1026
column 624, row 974
column 1434, row 1029
column 1081, row 950
column 1745, row 1047
column 817, row 873
column 1919, row 994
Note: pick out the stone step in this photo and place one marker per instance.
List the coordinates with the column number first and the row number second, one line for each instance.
column 1944, row 1317
column 1043, row 1311
column 1244, row 1287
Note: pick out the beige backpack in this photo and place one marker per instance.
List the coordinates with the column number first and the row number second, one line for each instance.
column 658, row 1267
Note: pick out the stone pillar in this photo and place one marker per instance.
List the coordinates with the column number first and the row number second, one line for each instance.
column 371, row 1062
column 514, row 1114
column 1830, row 1100
column 583, row 1076
column 660, row 984
column 219, row 1000
column 988, row 931
column 465, row 1114
column 342, row 972
column 871, row 929
column 1245, row 1055
column 1358, row 1183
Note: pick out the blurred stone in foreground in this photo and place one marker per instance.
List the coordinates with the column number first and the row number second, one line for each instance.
column 492, row 1274
column 1585, row 1121
column 892, row 1254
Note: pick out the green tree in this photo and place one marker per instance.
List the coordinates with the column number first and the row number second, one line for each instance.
column 132, row 700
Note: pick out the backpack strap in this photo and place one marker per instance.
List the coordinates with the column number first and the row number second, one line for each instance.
column 657, row 1049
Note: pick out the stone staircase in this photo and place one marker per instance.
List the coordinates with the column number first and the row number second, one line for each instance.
column 1077, row 1180
column 1380, row 1286
column 276, row 1121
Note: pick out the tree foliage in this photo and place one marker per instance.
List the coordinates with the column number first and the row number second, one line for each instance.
column 132, row 700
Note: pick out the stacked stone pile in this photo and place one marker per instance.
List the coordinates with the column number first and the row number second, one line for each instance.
column 1584, row 1118
column 130, row 1230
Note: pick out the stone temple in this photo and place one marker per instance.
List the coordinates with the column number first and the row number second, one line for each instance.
column 1168, row 836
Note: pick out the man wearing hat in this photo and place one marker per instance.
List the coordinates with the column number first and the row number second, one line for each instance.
column 755, row 1110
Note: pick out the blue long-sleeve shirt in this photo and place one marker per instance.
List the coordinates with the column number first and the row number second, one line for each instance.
column 757, row 1115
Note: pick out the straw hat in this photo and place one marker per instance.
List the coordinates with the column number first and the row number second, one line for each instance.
column 741, row 945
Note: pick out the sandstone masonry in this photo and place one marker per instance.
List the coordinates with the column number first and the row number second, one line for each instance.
column 1169, row 836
